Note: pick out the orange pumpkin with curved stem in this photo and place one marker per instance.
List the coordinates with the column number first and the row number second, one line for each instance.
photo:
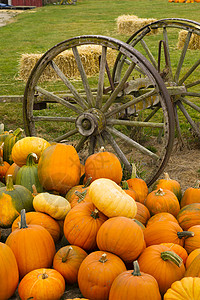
column 97, row 272
column 32, row 245
column 178, row 249
column 103, row 164
column 134, row 285
column 193, row 242
column 164, row 265
column 42, row 284
column 9, row 275
column 169, row 184
column 162, row 200
column 67, row 261
column 82, row 224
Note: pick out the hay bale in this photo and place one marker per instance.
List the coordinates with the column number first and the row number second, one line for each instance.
column 194, row 43
column 89, row 55
column 128, row 24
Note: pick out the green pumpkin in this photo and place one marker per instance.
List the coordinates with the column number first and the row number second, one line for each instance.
column 9, row 142
column 28, row 174
column 13, row 198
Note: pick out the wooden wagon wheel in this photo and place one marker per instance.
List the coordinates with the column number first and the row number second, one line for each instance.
column 173, row 56
column 89, row 111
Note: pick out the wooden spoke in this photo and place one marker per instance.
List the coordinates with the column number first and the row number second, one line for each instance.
column 182, row 57
column 189, row 85
column 191, row 104
column 134, row 123
column 165, row 35
column 92, row 144
column 190, row 71
column 118, row 88
column 153, row 92
column 149, row 54
column 66, row 135
column 118, row 151
column 78, row 99
column 101, row 78
column 54, row 119
column 131, row 142
column 84, row 77
column 81, row 143
column 58, row 99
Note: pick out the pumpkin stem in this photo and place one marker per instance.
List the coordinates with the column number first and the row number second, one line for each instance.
column 95, row 213
column 167, row 176
column 1, row 161
column 44, row 275
column 35, row 192
column 185, row 234
column 81, row 195
column 173, row 257
column 18, row 132
column 159, row 192
column 9, row 183
column 125, row 185
column 102, row 149
column 64, row 258
column 136, row 271
column 23, row 219
column 103, row 258
column 31, row 159
column 88, row 182
column 134, row 171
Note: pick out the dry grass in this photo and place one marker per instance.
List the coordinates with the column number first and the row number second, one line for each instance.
column 194, row 43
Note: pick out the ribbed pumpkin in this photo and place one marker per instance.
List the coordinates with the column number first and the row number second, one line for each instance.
column 164, row 216
column 67, row 261
column 189, row 215
column 165, row 232
column 4, row 166
column 193, row 242
column 169, row 184
column 12, row 170
column 143, row 213
column 187, row 288
column 191, row 257
column 111, row 199
column 193, row 269
column 128, row 190
column 103, row 165
column 28, row 174
column 54, row 205
column 191, row 195
column 13, row 198
column 44, row 284
column 71, row 195
column 97, row 272
column 134, row 285
column 29, row 144
column 32, row 245
column 59, row 168
column 121, row 236
column 39, row 218
column 81, row 197
column 82, row 224
column 162, row 200
column 9, row 143
column 9, row 275
column 140, row 187
column 178, row 249
column 164, row 265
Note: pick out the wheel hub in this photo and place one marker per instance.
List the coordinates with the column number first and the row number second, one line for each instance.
column 91, row 122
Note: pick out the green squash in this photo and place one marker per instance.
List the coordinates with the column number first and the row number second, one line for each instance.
column 13, row 198
column 9, row 142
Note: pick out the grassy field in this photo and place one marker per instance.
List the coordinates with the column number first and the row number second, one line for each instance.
column 35, row 31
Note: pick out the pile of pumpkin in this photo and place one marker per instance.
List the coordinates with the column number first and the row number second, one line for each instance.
column 81, row 224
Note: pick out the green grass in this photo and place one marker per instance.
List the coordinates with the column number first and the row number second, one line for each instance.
column 35, row 31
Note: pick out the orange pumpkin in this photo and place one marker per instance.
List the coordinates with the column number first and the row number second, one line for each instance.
column 71, row 195
column 81, row 197
column 59, row 168
column 97, row 272
column 67, row 261
column 82, row 224
column 193, row 269
column 178, row 249
column 42, row 284
column 191, row 195
column 12, row 170
column 32, row 245
column 193, row 242
column 103, row 165
column 143, row 214
column 9, row 275
column 140, row 187
column 189, row 215
column 164, row 265
column 128, row 243
column 169, row 184
column 192, row 256
column 38, row 218
column 134, row 285
column 128, row 190
column 164, row 216
column 162, row 200
column 165, row 232
column 4, row 166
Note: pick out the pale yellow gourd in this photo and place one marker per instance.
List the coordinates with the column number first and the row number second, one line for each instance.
column 111, row 199
column 188, row 288
column 54, row 205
